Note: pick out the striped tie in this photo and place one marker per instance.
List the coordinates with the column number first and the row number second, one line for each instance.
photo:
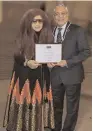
column 59, row 37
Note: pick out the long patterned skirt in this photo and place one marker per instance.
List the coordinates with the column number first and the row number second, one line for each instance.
column 29, row 107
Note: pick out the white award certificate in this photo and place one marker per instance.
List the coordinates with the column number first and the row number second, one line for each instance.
column 47, row 53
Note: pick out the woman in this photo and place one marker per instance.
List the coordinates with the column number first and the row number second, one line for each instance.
column 29, row 104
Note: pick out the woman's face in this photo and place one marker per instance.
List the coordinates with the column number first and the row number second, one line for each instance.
column 37, row 23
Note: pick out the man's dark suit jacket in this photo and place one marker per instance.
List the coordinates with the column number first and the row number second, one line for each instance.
column 75, row 50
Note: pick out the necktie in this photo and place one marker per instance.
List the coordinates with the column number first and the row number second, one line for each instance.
column 59, row 37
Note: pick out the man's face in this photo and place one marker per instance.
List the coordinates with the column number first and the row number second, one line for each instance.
column 37, row 23
column 61, row 15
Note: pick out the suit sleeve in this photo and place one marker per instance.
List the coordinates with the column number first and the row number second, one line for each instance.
column 83, row 48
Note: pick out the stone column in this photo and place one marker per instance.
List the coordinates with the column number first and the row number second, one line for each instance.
column 1, row 11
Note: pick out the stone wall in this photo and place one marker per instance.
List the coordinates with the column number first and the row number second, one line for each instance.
column 11, row 15
column 80, row 12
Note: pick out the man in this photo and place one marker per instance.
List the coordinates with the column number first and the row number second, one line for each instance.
column 68, row 74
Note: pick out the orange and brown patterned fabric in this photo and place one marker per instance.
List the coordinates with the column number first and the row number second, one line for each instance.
column 29, row 104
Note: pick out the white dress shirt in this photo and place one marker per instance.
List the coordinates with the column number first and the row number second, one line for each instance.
column 62, row 32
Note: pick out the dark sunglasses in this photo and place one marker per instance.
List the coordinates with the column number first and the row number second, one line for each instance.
column 38, row 20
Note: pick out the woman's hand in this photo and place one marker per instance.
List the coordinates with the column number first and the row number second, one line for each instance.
column 33, row 64
column 51, row 65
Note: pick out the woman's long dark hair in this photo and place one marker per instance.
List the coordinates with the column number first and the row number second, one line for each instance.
column 26, row 37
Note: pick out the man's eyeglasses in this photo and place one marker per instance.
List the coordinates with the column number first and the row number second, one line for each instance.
column 60, row 14
column 38, row 20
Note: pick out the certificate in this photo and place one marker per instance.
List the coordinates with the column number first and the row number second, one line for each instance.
column 47, row 53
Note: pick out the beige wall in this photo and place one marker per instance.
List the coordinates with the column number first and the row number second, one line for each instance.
column 80, row 11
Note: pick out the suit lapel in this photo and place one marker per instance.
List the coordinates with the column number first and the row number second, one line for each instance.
column 67, row 29
column 54, row 31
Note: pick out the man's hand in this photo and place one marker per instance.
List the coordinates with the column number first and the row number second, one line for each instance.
column 62, row 63
column 51, row 65
column 32, row 64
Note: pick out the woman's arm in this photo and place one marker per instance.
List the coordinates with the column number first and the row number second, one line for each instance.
column 19, row 56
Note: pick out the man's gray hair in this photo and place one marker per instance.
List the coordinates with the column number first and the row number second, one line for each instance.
column 61, row 4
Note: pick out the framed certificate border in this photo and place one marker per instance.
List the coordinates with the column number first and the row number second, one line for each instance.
column 48, row 53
